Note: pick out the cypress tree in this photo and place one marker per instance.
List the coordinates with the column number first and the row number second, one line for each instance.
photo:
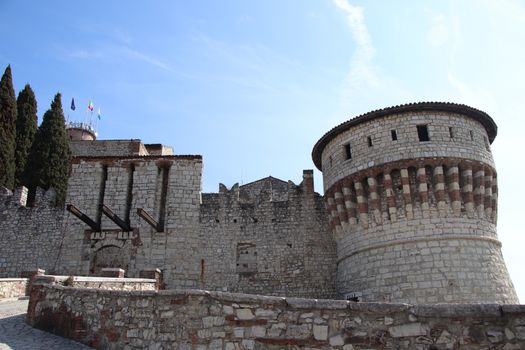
column 50, row 156
column 7, row 130
column 26, row 126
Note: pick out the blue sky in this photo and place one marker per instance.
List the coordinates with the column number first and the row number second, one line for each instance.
column 252, row 86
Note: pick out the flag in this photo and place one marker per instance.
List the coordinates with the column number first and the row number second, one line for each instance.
column 90, row 106
column 98, row 113
column 73, row 104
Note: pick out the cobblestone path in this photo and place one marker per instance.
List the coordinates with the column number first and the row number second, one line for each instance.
column 16, row 334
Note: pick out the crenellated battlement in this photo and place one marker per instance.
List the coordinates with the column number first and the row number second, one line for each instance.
column 18, row 198
column 279, row 234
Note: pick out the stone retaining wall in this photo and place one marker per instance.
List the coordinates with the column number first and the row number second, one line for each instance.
column 195, row 319
column 12, row 287
column 107, row 283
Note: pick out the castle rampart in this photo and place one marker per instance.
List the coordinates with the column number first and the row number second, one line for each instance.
column 144, row 211
column 408, row 215
column 275, row 236
column 31, row 237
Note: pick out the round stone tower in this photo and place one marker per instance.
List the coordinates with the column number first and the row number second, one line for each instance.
column 80, row 131
column 412, row 194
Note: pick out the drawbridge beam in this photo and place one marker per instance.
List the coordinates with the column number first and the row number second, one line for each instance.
column 149, row 219
column 86, row 219
column 114, row 217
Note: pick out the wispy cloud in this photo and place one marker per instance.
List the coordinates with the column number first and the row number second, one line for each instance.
column 117, row 53
column 251, row 65
column 84, row 54
column 363, row 84
column 362, row 72
column 147, row 58
column 465, row 93
column 438, row 34
column 356, row 21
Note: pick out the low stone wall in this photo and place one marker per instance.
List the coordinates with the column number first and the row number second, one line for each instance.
column 13, row 287
column 194, row 319
column 109, row 283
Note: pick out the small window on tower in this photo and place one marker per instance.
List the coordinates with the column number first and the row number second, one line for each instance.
column 348, row 151
column 451, row 132
column 394, row 135
column 471, row 135
column 487, row 145
column 422, row 133
column 369, row 139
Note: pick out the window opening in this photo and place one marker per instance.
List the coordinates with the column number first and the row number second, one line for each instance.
column 487, row 145
column 422, row 133
column 102, row 192
column 369, row 138
column 394, row 135
column 348, row 151
column 163, row 193
column 451, row 132
column 471, row 135
column 129, row 193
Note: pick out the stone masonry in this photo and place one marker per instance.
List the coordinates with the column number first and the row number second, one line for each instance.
column 408, row 215
column 12, row 287
column 412, row 197
column 193, row 319
column 276, row 228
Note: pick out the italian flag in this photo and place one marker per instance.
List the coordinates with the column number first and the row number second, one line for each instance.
column 90, row 106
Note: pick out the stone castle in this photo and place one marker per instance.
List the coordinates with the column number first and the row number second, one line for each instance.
column 408, row 215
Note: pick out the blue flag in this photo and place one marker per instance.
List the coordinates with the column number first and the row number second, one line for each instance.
column 73, row 104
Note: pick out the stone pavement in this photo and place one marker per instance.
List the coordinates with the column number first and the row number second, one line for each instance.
column 16, row 334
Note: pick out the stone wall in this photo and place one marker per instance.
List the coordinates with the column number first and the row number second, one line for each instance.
column 194, row 319
column 279, row 230
column 267, row 237
column 108, row 148
column 166, row 187
column 31, row 238
column 13, row 287
column 106, row 283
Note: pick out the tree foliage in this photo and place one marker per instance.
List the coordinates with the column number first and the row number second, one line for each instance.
column 26, row 127
column 8, row 114
column 50, row 155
